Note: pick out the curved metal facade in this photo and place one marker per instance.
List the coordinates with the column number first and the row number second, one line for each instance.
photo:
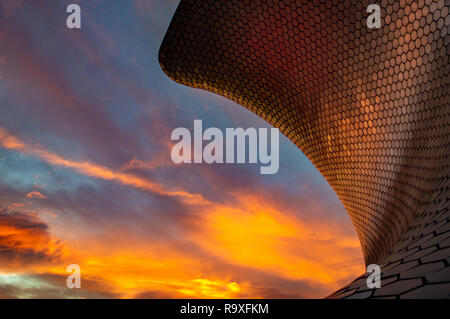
column 368, row 107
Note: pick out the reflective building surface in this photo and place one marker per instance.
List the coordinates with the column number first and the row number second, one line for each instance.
column 368, row 107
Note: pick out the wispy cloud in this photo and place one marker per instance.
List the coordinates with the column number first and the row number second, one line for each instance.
column 90, row 169
column 36, row 194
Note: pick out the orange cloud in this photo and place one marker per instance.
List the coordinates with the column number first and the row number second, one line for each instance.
column 36, row 194
column 165, row 272
column 253, row 235
column 16, row 205
column 25, row 242
column 256, row 234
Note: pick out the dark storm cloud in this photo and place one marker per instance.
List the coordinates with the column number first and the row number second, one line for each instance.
column 25, row 240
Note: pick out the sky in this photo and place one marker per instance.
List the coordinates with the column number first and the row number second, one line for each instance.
column 86, row 175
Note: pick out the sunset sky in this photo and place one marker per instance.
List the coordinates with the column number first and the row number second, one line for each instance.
column 86, row 175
